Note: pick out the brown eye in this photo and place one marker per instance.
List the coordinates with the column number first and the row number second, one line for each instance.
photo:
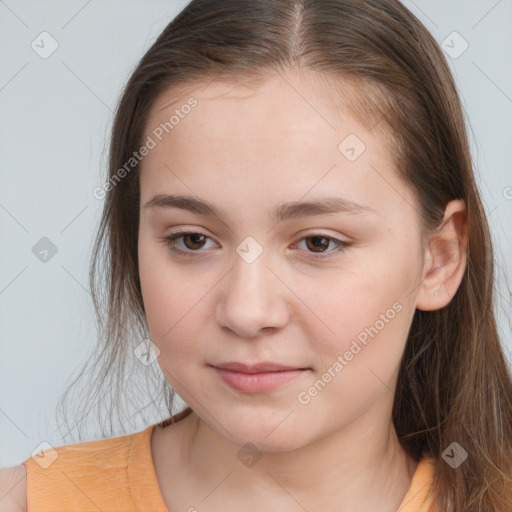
column 185, row 243
column 317, row 246
column 319, row 242
column 197, row 240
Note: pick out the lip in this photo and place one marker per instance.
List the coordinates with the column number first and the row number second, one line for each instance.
column 257, row 378
column 265, row 366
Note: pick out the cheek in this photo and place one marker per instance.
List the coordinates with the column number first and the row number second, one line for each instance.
column 164, row 291
column 175, row 301
column 365, row 315
column 359, row 364
column 346, row 300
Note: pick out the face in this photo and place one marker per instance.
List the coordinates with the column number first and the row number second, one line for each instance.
column 330, row 291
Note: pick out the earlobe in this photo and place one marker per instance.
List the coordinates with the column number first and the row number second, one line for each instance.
column 446, row 259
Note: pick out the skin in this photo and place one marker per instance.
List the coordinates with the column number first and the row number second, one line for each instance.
column 246, row 150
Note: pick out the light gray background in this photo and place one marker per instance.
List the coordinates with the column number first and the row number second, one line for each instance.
column 55, row 114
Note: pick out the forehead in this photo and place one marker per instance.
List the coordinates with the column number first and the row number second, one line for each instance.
column 291, row 110
column 312, row 100
column 289, row 133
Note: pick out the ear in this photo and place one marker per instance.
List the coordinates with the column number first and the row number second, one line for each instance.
column 445, row 259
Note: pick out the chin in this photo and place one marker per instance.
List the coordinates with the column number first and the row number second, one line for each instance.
column 265, row 436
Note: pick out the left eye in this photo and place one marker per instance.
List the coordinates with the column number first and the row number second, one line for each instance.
column 194, row 241
column 321, row 242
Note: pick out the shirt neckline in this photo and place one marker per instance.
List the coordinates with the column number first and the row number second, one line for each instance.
column 420, row 495
column 142, row 481
column 146, row 493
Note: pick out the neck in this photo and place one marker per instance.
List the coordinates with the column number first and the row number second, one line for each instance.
column 362, row 466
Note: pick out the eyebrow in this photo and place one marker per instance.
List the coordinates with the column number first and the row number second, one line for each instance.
column 282, row 212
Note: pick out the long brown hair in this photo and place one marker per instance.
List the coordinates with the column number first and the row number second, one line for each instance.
column 454, row 383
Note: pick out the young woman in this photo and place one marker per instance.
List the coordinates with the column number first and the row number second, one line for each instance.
column 292, row 218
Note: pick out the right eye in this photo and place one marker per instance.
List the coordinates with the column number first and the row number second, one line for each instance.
column 193, row 241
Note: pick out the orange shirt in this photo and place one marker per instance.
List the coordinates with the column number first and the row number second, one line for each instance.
column 118, row 475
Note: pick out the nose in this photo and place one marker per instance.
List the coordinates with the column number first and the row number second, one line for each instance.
column 253, row 299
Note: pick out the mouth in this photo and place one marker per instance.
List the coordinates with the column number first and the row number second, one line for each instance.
column 259, row 377
column 265, row 366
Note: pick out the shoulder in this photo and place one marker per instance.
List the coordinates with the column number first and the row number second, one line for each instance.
column 13, row 489
column 82, row 456
column 80, row 475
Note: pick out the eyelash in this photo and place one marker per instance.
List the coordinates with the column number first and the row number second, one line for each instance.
column 170, row 240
